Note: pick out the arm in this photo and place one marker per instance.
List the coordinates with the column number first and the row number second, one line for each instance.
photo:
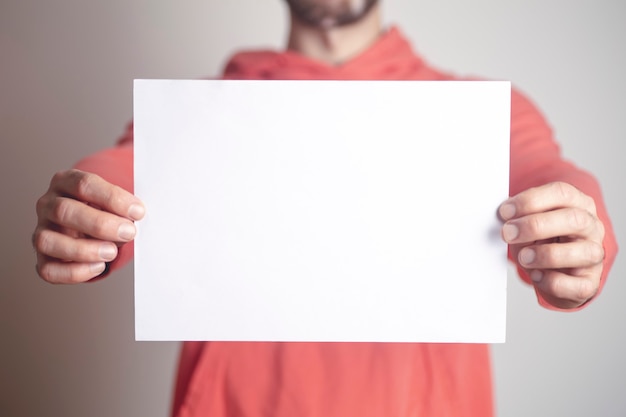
column 559, row 234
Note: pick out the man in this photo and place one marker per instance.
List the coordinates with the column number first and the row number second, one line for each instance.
column 555, row 223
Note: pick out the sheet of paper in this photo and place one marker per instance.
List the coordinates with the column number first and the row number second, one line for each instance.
column 321, row 210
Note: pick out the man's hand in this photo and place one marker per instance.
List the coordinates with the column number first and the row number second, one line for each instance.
column 82, row 219
column 554, row 234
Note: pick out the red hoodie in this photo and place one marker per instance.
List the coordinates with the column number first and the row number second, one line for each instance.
column 359, row 379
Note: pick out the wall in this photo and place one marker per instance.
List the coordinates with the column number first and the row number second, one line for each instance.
column 66, row 73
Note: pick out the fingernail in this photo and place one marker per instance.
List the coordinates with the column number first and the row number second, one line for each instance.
column 509, row 232
column 126, row 231
column 136, row 211
column 527, row 256
column 107, row 252
column 507, row 211
column 536, row 275
column 97, row 267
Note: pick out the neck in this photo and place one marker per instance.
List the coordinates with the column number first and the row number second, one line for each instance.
column 335, row 45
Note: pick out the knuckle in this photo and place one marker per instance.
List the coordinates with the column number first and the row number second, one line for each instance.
column 590, row 204
column 579, row 220
column 61, row 210
column 586, row 289
column 74, row 252
column 60, row 176
column 565, row 191
column 595, row 253
column 42, row 241
column 73, row 276
column 44, row 270
column 83, row 183
column 116, row 196
column 42, row 203
column 535, row 225
column 555, row 286
column 101, row 226
column 601, row 228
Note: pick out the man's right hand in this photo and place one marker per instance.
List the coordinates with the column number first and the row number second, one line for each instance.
column 82, row 220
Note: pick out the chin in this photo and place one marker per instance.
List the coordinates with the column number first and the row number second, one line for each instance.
column 330, row 13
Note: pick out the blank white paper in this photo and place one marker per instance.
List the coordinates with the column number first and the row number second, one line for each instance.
column 359, row 211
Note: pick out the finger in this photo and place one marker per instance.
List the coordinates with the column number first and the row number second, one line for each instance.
column 564, row 291
column 93, row 189
column 75, row 215
column 58, row 272
column 63, row 247
column 578, row 254
column 570, row 222
column 547, row 197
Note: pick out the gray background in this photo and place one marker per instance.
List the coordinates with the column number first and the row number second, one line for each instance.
column 66, row 70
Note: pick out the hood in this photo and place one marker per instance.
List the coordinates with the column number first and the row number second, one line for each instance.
column 389, row 58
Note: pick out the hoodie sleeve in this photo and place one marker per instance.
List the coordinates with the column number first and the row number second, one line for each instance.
column 536, row 160
column 116, row 166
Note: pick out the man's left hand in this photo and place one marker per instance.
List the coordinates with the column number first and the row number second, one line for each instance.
column 554, row 234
